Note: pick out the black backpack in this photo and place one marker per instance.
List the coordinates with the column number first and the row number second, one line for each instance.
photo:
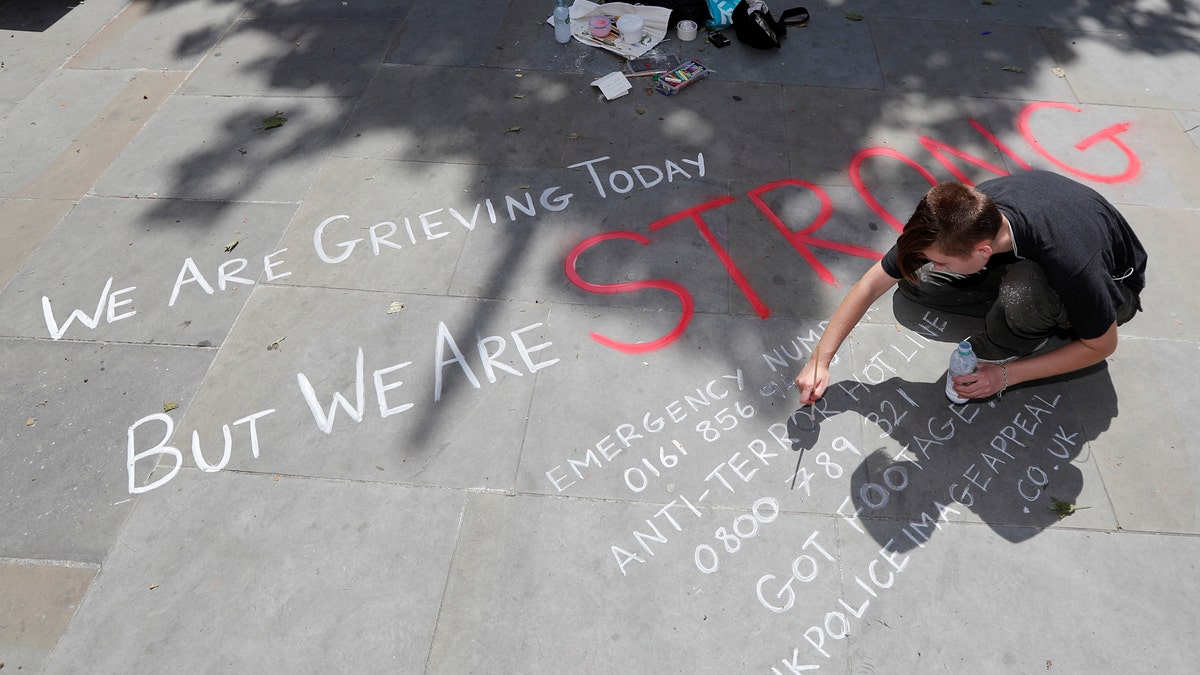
column 754, row 25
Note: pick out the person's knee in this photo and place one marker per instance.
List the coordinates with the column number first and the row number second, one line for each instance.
column 1031, row 307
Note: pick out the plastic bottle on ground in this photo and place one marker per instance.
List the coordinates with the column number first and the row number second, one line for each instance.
column 962, row 362
column 562, row 22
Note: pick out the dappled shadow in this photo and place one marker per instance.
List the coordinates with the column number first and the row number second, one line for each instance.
column 299, row 38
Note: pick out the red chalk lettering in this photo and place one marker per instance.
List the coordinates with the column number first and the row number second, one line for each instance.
column 861, row 186
column 694, row 213
column 803, row 240
column 685, row 298
column 939, row 150
column 1111, row 134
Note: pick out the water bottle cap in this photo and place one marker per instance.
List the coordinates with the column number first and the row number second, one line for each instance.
column 964, row 346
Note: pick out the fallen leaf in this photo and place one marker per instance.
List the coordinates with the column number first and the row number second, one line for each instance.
column 275, row 345
column 854, row 16
column 395, row 307
column 1058, row 71
column 379, row 467
column 1013, row 69
column 273, row 121
column 576, row 137
column 31, row 421
column 1063, row 509
column 153, row 586
column 513, row 129
column 232, row 245
column 169, row 406
column 639, row 110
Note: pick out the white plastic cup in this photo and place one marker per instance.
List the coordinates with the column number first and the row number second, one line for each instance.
column 686, row 30
column 630, row 27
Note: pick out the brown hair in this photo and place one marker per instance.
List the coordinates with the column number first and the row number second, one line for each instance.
column 952, row 217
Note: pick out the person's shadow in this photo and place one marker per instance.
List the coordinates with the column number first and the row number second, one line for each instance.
column 1008, row 460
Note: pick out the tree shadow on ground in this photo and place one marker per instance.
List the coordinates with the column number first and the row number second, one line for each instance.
column 513, row 42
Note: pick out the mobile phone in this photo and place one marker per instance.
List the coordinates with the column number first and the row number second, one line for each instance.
column 717, row 39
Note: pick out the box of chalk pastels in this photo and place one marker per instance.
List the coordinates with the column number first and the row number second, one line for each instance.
column 671, row 82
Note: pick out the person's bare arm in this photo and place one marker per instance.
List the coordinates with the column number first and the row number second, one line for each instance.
column 814, row 378
column 989, row 378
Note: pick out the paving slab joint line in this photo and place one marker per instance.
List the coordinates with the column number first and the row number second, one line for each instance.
column 35, row 562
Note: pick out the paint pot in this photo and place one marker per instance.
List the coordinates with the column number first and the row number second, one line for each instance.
column 686, row 30
column 600, row 26
column 630, row 27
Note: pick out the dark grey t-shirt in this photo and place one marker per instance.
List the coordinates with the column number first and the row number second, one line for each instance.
column 1081, row 241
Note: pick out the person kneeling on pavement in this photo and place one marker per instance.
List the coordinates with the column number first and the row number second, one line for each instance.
column 1035, row 254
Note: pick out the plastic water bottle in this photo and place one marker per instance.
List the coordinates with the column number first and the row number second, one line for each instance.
column 562, row 22
column 962, row 362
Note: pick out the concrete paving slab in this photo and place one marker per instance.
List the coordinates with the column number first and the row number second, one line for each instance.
column 1163, row 17
column 30, row 222
column 967, row 59
column 1168, row 235
column 517, row 118
column 149, row 35
column 883, row 520
column 387, row 226
column 450, row 33
column 531, row 259
column 1190, row 121
column 268, row 57
column 77, row 166
column 64, row 490
column 861, row 133
column 525, row 562
column 47, row 123
column 825, row 239
column 1127, row 69
column 1147, row 456
column 694, row 121
column 1094, row 15
column 34, row 51
column 74, row 288
column 1132, row 156
column 215, row 148
column 1120, row 578
column 308, row 391
column 318, row 9
column 269, row 578
column 37, row 601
